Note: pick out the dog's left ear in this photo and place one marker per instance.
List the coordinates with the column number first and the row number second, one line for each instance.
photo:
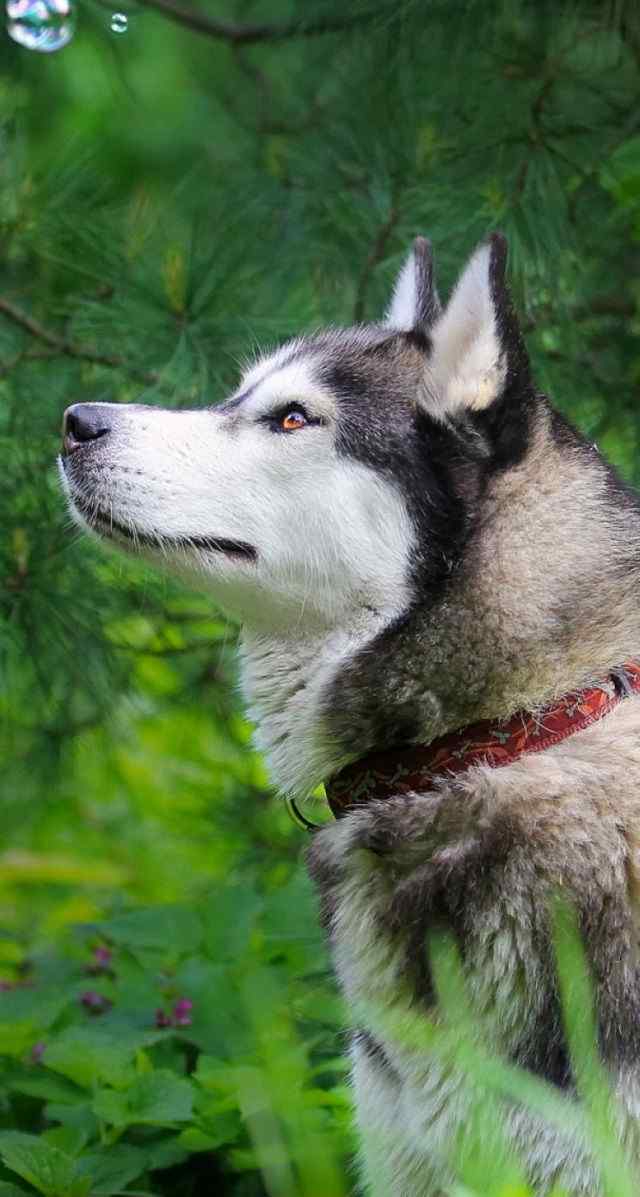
column 477, row 355
column 415, row 304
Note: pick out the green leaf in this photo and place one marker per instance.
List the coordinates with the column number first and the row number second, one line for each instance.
column 223, row 1128
column 51, row 1171
column 228, row 918
column 113, row 1168
column 156, row 927
column 161, row 1097
column 46, row 1085
column 80, row 1117
column 219, row 1024
column 112, row 1106
column 25, row 1014
column 156, row 1099
column 621, row 173
column 87, row 1055
column 70, row 1139
column 164, row 1152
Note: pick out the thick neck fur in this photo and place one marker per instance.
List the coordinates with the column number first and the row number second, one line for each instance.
column 544, row 602
column 286, row 681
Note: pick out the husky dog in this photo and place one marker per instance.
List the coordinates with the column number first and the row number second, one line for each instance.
column 415, row 540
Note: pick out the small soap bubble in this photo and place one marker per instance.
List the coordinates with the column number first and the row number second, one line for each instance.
column 119, row 22
column 42, row 25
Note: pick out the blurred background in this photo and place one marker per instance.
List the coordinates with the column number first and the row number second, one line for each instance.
column 179, row 183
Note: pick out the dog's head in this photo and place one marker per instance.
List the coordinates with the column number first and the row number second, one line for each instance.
column 341, row 476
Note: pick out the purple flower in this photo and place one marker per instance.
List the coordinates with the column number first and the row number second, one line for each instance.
column 37, row 1052
column 95, row 1003
column 182, row 1012
column 180, row 1015
column 101, row 962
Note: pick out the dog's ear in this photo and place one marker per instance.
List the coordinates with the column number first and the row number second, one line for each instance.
column 477, row 354
column 415, row 304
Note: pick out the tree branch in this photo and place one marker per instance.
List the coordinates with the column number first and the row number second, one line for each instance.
column 246, row 35
column 70, row 348
column 374, row 256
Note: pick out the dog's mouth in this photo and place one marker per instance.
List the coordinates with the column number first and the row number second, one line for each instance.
column 113, row 529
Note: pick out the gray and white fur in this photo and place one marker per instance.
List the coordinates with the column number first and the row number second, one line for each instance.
column 415, row 539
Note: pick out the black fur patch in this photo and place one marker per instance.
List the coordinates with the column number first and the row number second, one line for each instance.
column 386, row 430
column 374, row 1051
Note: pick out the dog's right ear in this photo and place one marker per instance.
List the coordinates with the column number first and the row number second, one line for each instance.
column 415, row 304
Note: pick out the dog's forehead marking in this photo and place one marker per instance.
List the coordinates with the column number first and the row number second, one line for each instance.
column 284, row 377
column 267, row 364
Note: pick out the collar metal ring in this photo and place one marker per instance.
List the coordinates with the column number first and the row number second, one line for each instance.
column 297, row 816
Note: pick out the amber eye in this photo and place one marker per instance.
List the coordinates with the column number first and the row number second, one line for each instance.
column 292, row 420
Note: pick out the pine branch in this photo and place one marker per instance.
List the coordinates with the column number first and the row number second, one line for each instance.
column 265, row 122
column 245, row 35
column 25, row 355
column 606, row 305
column 69, row 348
column 374, row 256
column 630, row 30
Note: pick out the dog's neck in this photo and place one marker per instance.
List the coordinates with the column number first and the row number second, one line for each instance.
column 544, row 604
column 286, row 681
column 484, row 650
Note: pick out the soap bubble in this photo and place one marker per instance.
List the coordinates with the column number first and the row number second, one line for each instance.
column 119, row 22
column 42, row 25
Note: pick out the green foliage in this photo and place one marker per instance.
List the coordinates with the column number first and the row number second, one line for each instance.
column 168, row 201
column 195, row 1031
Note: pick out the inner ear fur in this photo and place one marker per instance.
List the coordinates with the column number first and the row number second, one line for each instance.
column 415, row 303
column 477, row 354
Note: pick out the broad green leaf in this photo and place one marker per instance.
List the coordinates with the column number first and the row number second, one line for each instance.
column 228, row 917
column 26, row 1014
column 213, row 1074
column 621, row 173
column 155, row 1099
column 87, row 1055
column 44, row 1084
column 164, row 1152
column 168, row 928
column 51, row 1171
column 218, row 1021
column 193, row 1140
column 224, row 1128
column 112, row 1106
column 16, row 1038
column 161, row 1097
column 70, row 1139
column 113, row 1168
column 79, row 1117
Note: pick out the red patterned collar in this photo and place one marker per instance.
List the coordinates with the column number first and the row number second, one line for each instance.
column 399, row 770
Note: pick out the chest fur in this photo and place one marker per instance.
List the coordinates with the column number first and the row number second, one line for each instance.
column 483, row 857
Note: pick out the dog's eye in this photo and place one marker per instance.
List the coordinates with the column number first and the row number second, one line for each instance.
column 292, row 420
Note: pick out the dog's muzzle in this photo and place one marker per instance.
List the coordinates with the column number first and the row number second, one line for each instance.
column 84, row 424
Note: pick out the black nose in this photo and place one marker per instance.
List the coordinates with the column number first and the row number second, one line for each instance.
column 84, row 422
